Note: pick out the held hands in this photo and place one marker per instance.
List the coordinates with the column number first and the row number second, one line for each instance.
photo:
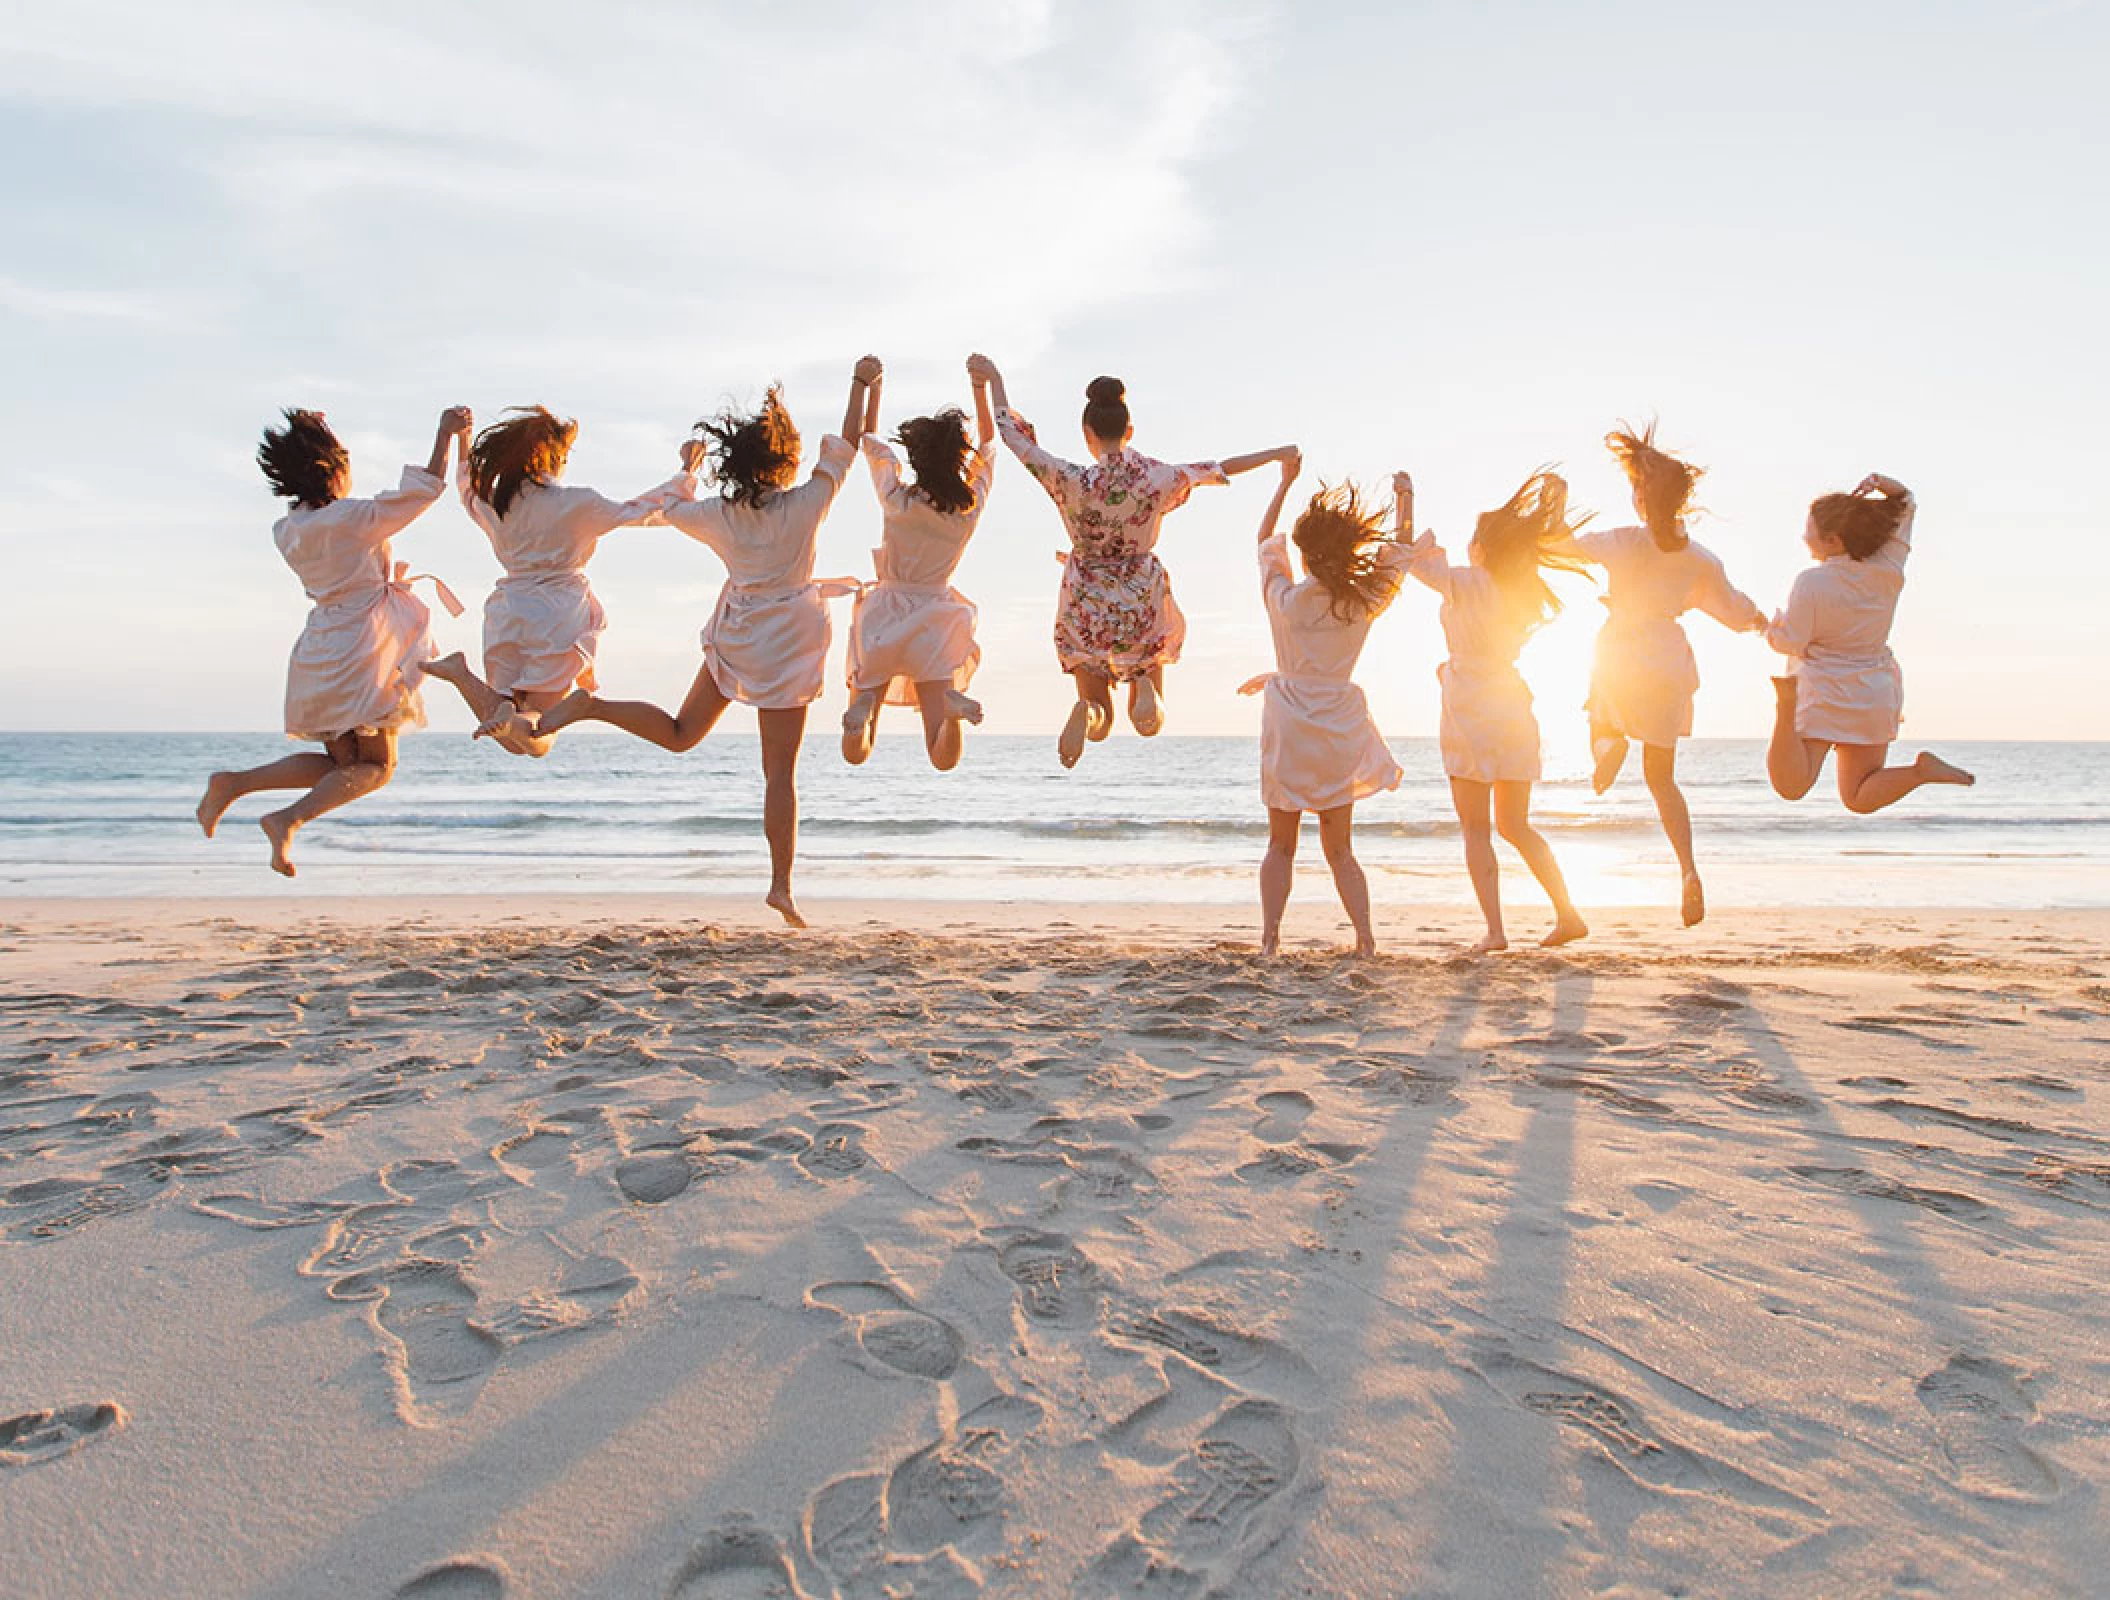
column 1876, row 483
column 459, row 420
column 980, row 368
column 692, row 454
column 867, row 371
column 1292, row 460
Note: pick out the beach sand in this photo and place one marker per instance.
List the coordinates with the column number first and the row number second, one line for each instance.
column 630, row 1247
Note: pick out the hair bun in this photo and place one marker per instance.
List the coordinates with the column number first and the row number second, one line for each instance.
column 1106, row 391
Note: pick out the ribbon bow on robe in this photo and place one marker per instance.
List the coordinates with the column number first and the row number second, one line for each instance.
column 404, row 578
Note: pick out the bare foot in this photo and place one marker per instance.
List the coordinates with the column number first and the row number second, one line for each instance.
column 1566, row 930
column 1366, row 946
column 572, row 708
column 1144, row 709
column 279, row 829
column 1611, row 756
column 1930, row 767
column 506, row 723
column 1071, row 745
column 1487, row 945
column 1693, row 906
column 1101, row 723
column 219, row 795
column 779, row 901
column 959, row 705
column 449, row 668
column 1270, row 945
column 860, row 723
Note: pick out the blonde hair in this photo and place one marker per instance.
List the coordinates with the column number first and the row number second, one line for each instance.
column 1521, row 540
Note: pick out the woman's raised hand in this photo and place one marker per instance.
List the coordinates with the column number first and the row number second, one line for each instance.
column 692, row 454
column 867, row 370
column 1877, row 483
column 980, row 368
column 1292, row 463
column 457, row 420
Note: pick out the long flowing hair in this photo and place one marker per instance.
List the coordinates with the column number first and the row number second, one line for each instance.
column 1662, row 483
column 1339, row 541
column 1863, row 523
column 752, row 456
column 302, row 459
column 1520, row 541
column 937, row 450
column 530, row 444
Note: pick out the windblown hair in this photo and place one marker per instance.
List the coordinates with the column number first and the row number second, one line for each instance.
column 1106, row 409
column 1863, row 523
column 1662, row 483
column 937, row 451
column 752, row 457
column 530, row 445
column 1521, row 540
column 301, row 460
column 1339, row 541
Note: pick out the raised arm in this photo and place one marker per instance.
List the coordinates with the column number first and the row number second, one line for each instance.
column 984, row 416
column 862, row 410
column 1403, row 507
column 455, row 423
column 983, row 371
column 1292, row 464
column 1899, row 544
column 1234, row 465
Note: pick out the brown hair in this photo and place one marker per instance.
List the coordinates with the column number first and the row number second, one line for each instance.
column 1106, row 410
column 937, row 450
column 752, row 457
column 1662, row 483
column 530, row 445
column 1863, row 523
column 1520, row 541
column 1338, row 539
column 301, row 460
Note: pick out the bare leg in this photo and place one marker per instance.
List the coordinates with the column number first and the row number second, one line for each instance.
column 223, row 789
column 941, row 724
column 1513, row 822
column 361, row 763
column 1792, row 762
column 1608, row 746
column 484, row 702
column 1092, row 717
column 781, row 732
column 1146, row 705
column 1866, row 785
column 699, row 714
column 1659, row 764
column 1337, row 839
column 861, row 724
column 1277, row 867
column 1471, row 800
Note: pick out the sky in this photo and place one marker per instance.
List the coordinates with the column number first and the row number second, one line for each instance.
column 1461, row 238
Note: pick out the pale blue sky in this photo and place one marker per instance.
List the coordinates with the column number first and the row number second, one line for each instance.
column 1464, row 238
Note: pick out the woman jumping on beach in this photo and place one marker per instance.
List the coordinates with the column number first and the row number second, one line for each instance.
column 353, row 679
column 1490, row 738
column 1643, row 679
column 1115, row 620
column 911, row 633
column 543, row 622
column 1844, row 688
column 1319, row 749
column 766, row 644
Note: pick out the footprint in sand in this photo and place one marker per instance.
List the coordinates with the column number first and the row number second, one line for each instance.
column 1284, row 1163
column 438, row 1355
column 1057, row 1282
column 1188, row 1540
column 1979, row 1408
column 737, row 1562
column 59, row 1205
column 36, row 1436
column 1283, row 1113
column 456, row 1580
column 1227, row 1352
column 1854, row 1180
column 535, row 1149
column 890, row 1330
column 591, row 1294
column 653, row 1177
column 837, row 1151
column 253, row 1211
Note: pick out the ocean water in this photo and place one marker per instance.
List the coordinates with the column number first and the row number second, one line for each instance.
column 1168, row 819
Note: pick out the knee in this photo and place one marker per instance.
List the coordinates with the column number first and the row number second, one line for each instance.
column 1340, row 852
column 1789, row 790
column 1857, row 803
column 943, row 758
column 1478, row 835
column 1281, row 853
column 1517, row 830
